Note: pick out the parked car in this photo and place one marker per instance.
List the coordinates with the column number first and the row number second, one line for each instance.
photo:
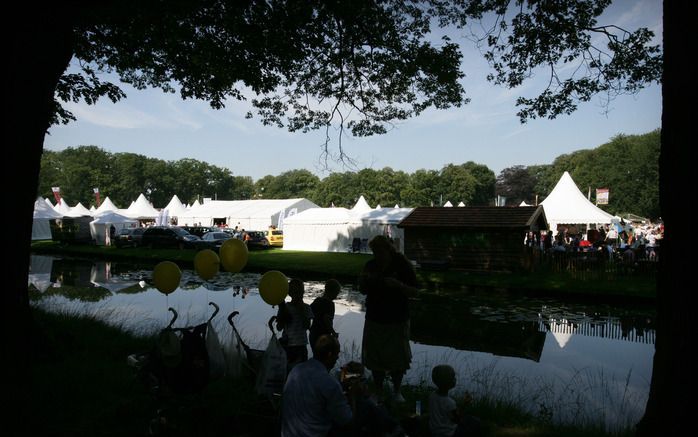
column 275, row 237
column 255, row 240
column 164, row 236
column 129, row 237
column 216, row 239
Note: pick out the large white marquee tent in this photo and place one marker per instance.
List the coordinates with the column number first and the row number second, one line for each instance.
column 334, row 229
column 567, row 205
column 251, row 215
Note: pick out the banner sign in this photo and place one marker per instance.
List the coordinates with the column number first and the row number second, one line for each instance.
column 602, row 196
column 56, row 194
column 96, row 190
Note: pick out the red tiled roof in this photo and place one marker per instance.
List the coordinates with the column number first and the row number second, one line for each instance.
column 474, row 217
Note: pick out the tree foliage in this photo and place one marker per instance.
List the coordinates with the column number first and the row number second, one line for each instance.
column 359, row 65
column 627, row 165
column 517, row 184
column 124, row 176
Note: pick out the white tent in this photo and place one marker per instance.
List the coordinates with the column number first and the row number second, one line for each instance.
column 361, row 206
column 92, row 210
column 461, row 204
column 523, row 203
column 43, row 213
column 106, row 206
column 319, row 230
column 251, row 215
column 333, row 229
column 79, row 210
column 567, row 205
column 63, row 208
column 382, row 222
column 100, row 226
column 141, row 209
column 448, row 204
column 175, row 207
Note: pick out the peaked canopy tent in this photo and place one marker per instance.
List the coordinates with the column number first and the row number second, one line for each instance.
column 79, row 210
column 106, row 206
column 43, row 214
column 141, row 209
column 175, row 208
column 566, row 204
column 99, row 226
column 257, row 214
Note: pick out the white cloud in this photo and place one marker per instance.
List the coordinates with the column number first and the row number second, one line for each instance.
column 122, row 116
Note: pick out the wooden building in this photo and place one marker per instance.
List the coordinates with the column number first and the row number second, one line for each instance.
column 471, row 238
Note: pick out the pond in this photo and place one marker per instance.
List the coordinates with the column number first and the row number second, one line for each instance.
column 573, row 363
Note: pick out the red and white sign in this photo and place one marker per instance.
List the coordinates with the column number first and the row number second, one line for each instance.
column 602, row 196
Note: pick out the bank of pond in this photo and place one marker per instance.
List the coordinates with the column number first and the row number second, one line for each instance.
column 557, row 363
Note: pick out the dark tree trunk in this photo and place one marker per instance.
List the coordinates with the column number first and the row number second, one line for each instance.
column 670, row 401
column 39, row 54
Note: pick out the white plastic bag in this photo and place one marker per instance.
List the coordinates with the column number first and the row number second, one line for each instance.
column 272, row 372
column 234, row 354
column 216, row 359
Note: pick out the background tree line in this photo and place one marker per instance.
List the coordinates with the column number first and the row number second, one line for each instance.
column 627, row 165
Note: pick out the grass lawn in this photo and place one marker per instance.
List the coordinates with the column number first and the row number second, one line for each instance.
column 79, row 384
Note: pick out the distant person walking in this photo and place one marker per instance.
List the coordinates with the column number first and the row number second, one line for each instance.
column 387, row 281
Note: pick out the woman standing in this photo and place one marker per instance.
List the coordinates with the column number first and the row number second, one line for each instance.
column 388, row 280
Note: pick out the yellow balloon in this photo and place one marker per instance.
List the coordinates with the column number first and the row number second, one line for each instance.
column 233, row 255
column 166, row 276
column 273, row 287
column 206, row 264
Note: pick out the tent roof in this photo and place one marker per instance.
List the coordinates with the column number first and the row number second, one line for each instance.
column 361, row 206
column 390, row 216
column 567, row 204
column 43, row 211
column 141, row 208
column 258, row 208
column 80, row 210
column 112, row 217
column 63, row 208
column 477, row 217
column 175, row 207
column 107, row 205
column 326, row 216
column 448, row 204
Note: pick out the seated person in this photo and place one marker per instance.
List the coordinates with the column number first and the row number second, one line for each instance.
column 445, row 420
column 370, row 418
column 313, row 400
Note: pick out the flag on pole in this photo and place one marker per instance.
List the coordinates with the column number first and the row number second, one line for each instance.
column 96, row 190
column 602, row 196
column 57, row 194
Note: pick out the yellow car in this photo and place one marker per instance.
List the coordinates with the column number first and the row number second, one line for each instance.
column 275, row 237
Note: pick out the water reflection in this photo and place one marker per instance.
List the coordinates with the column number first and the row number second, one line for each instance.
column 582, row 362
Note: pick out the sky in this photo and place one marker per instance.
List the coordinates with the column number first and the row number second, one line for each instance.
column 486, row 131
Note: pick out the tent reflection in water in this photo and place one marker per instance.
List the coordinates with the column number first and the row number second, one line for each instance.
column 99, row 227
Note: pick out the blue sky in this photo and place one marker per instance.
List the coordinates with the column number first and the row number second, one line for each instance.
column 486, row 130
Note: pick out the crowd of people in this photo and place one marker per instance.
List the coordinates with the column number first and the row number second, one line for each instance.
column 352, row 400
column 618, row 240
